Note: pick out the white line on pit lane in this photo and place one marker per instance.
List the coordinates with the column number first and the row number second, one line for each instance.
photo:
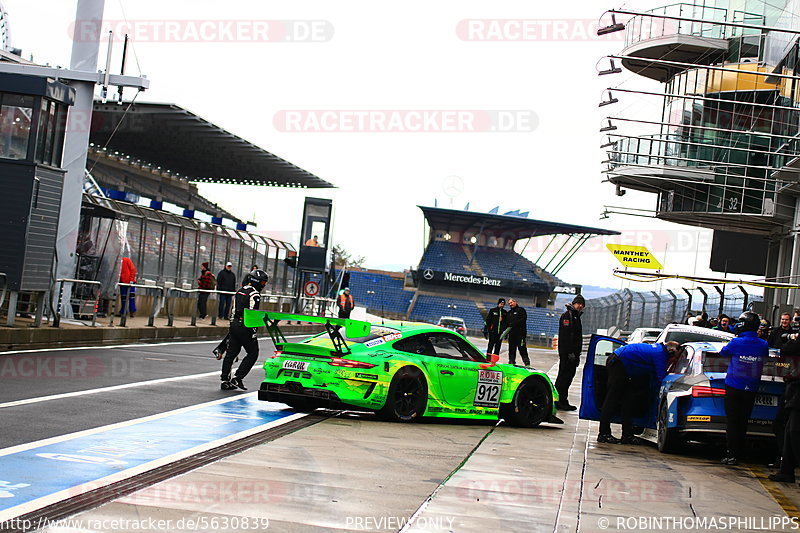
column 137, row 345
column 113, row 387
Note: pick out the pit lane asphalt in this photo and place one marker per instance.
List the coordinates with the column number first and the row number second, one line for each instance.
column 353, row 472
column 34, row 375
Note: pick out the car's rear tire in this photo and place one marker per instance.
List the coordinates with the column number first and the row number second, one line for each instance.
column 532, row 404
column 669, row 439
column 407, row 397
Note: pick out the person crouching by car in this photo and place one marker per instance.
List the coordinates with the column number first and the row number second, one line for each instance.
column 629, row 361
column 495, row 325
column 747, row 353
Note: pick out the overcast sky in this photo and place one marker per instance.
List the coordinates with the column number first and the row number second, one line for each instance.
column 427, row 56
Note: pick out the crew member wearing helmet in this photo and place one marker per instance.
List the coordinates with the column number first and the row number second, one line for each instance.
column 247, row 297
column 747, row 353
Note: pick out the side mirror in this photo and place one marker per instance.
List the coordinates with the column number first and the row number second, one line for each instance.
column 494, row 358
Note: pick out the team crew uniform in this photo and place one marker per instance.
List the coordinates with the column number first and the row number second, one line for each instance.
column 496, row 320
column 247, row 297
column 747, row 353
column 570, row 345
column 518, row 322
column 627, row 362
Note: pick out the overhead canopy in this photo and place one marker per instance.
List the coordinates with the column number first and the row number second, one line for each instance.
column 521, row 228
column 186, row 145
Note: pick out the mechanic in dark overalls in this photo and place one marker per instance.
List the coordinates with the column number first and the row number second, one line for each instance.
column 747, row 353
column 247, row 297
column 790, row 433
column 495, row 325
column 631, row 361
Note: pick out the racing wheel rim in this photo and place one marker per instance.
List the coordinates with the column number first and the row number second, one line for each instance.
column 532, row 402
column 407, row 396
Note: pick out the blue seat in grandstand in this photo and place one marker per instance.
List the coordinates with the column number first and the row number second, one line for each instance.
column 378, row 292
column 431, row 308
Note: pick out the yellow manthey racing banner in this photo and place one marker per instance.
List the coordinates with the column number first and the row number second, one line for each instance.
column 634, row 256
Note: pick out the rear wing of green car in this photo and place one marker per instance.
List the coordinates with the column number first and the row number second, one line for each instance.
column 352, row 328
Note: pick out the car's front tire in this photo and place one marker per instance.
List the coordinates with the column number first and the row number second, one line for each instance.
column 532, row 404
column 407, row 397
column 669, row 439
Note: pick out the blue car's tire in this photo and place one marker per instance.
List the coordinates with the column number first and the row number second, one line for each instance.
column 669, row 439
column 407, row 398
column 532, row 404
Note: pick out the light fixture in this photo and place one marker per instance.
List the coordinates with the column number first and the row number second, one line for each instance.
column 611, row 100
column 612, row 28
column 613, row 70
column 608, row 144
column 610, row 127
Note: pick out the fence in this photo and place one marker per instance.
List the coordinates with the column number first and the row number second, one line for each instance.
column 628, row 310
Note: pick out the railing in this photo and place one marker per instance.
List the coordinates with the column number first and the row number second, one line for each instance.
column 655, row 25
column 170, row 302
column 317, row 306
column 156, row 308
column 61, row 281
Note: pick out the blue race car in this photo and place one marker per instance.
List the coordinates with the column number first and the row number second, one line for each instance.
column 689, row 403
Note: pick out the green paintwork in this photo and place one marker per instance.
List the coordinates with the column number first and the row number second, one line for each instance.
column 353, row 328
column 453, row 384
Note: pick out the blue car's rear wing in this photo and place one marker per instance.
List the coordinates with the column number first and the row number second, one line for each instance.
column 352, row 328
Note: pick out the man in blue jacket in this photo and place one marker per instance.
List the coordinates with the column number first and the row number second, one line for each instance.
column 632, row 360
column 747, row 353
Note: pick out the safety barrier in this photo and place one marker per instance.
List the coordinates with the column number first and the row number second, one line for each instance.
column 156, row 308
column 170, row 302
column 61, row 281
column 316, row 306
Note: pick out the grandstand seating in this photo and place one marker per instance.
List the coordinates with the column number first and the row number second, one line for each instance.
column 390, row 297
column 447, row 256
column 493, row 262
column 540, row 320
column 430, row 308
column 388, row 291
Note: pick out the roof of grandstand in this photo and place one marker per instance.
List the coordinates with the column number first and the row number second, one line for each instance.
column 522, row 228
column 191, row 147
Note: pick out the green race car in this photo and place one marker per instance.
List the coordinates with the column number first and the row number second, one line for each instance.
column 401, row 370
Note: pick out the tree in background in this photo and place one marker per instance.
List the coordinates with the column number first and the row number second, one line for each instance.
column 345, row 259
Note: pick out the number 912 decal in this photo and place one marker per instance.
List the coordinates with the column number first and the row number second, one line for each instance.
column 488, row 392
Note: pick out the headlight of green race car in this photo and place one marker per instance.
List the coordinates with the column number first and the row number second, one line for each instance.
column 401, row 370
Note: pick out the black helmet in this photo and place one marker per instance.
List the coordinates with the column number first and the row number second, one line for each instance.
column 748, row 321
column 258, row 276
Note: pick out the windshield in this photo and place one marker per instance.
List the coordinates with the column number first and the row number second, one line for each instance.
column 683, row 337
column 451, row 322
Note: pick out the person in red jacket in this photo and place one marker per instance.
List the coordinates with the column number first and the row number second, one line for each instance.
column 206, row 281
column 127, row 274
